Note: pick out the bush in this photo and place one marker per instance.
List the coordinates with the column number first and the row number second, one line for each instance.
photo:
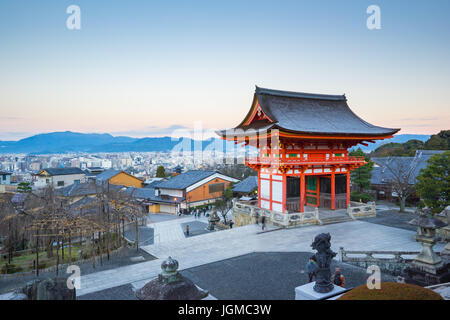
column 12, row 268
column 391, row 291
column 356, row 196
column 42, row 265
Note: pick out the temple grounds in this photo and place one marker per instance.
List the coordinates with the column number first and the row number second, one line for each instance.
column 219, row 246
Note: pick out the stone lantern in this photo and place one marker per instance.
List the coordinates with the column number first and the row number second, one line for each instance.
column 427, row 268
column 213, row 219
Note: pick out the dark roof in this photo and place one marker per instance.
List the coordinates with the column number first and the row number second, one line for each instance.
column 307, row 113
column 19, row 197
column 149, row 195
column 247, row 185
column 83, row 189
column 186, row 179
column 62, row 171
column 95, row 168
column 85, row 206
column 153, row 184
column 382, row 175
column 4, row 172
column 107, row 174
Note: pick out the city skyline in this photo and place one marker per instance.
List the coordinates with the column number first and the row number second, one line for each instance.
column 147, row 69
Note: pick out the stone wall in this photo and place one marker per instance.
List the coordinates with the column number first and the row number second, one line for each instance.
column 392, row 262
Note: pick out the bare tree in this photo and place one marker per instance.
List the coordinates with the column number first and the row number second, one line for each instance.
column 224, row 204
column 401, row 177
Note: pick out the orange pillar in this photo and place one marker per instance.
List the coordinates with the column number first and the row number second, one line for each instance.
column 259, row 188
column 302, row 191
column 283, row 205
column 332, row 191
column 348, row 188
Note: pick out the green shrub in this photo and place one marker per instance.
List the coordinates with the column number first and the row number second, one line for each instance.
column 12, row 268
column 356, row 196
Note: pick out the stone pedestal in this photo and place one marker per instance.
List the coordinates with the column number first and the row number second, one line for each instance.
column 306, row 292
column 446, row 251
column 427, row 268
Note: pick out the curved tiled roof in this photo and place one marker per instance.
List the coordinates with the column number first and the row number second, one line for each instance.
column 308, row 113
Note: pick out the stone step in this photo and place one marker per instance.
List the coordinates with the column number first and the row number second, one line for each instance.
column 336, row 219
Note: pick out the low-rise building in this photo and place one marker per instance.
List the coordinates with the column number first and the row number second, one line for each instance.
column 186, row 190
column 382, row 173
column 5, row 177
column 118, row 177
column 59, row 177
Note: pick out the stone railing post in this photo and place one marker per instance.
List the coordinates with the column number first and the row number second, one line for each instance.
column 341, row 254
column 316, row 215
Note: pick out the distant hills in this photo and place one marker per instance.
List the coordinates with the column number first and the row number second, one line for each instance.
column 65, row 142
column 398, row 138
column 440, row 141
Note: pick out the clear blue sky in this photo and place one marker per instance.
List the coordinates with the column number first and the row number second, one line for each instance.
column 142, row 68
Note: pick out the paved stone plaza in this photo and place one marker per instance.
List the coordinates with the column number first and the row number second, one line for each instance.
column 216, row 246
column 233, row 263
column 250, row 276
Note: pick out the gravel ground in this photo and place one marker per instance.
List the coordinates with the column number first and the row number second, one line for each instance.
column 116, row 261
column 393, row 218
column 124, row 292
column 195, row 228
column 260, row 276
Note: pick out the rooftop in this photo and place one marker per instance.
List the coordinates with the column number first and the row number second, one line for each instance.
column 306, row 113
column 186, row 179
column 382, row 174
column 247, row 185
column 61, row 171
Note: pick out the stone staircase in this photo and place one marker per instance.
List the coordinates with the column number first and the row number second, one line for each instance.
column 336, row 219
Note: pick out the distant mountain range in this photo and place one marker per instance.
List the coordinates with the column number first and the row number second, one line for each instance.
column 398, row 138
column 65, row 142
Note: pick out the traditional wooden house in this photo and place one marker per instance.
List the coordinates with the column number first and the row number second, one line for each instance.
column 120, row 178
column 303, row 141
column 186, row 190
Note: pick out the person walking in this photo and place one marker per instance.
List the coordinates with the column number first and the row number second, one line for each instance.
column 187, row 230
column 231, row 224
column 263, row 222
column 311, row 268
column 338, row 278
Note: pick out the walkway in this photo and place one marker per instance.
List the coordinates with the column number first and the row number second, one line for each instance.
column 171, row 230
column 216, row 246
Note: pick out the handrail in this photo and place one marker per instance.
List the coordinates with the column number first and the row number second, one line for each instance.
column 346, row 159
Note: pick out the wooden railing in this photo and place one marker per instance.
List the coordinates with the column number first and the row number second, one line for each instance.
column 303, row 161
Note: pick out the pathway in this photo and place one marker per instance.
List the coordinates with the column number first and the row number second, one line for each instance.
column 211, row 247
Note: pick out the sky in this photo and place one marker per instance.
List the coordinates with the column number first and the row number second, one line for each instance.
column 146, row 68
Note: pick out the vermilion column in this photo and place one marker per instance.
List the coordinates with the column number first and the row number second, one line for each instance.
column 332, row 191
column 302, row 191
column 259, row 188
column 348, row 188
column 284, row 190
